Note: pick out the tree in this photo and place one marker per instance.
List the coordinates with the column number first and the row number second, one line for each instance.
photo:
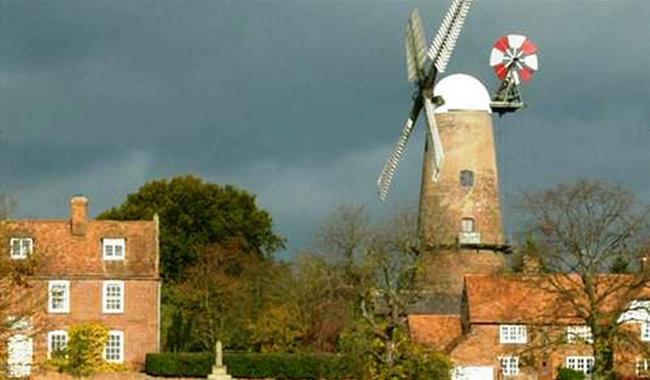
column 193, row 214
column 317, row 289
column 223, row 293
column 382, row 266
column 583, row 229
column 344, row 235
column 19, row 298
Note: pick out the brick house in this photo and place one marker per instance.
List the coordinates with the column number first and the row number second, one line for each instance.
column 514, row 327
column 88, row 271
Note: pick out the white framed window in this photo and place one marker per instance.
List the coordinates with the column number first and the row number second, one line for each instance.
column 114, row 350
column 113, row 297
column 20, row 248
column 509, row 365
column 643, row 367
column 580, row 333
column 584, row 364
column 467, row 225
column 513, row 334
column 58, row 300
column 645, row 331
column 56, row 341
column 113, row 249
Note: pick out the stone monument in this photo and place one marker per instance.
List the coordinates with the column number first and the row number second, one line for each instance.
column 219, row 371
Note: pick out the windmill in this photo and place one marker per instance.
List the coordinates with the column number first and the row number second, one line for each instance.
column 438, row 54
column 513, row 58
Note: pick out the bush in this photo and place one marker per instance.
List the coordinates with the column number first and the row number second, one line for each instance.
column 84, row 352
column 569, row 374
column 249, row 365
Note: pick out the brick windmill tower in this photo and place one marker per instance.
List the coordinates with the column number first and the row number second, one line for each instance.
column 460, row 211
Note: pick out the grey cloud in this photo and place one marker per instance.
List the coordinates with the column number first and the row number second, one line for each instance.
column 299, row 96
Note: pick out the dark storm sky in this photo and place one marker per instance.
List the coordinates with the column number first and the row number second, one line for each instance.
column 299, row 102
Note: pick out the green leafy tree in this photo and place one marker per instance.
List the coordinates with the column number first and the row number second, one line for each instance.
column 179, row 334
column 193, row 214
column 620, row 265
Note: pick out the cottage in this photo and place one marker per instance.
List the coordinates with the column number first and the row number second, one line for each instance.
column 520, row 327
column 87, row 271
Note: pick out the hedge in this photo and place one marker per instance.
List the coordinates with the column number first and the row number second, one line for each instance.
column 254, row 366
column 569, row 374
column 179, row 365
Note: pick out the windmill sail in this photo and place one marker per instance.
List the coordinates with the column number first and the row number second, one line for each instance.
column 445, row 40
column 415, row 48
column 439, row 52
column 433, row 139
column 385, row 179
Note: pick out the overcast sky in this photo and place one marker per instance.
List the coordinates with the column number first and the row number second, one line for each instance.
column 300, row 102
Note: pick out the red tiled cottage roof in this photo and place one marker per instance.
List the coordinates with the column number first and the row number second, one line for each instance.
column 536, row 299
column 73, row 247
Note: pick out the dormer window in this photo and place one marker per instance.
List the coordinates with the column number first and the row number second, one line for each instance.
column 513, row 334
column 113, row 249
column 20, row 248
column 466, row 179
column 467, row 225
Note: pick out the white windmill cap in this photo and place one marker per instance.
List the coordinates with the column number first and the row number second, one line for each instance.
column 462, row 92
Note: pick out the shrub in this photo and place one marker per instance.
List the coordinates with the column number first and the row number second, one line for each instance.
column 250, row 365
column 179, row 364
column 84, row 352
column 569, row 374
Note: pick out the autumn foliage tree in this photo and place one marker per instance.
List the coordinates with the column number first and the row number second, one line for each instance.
column 381, row 267
column 19, row 298
column 224, row 295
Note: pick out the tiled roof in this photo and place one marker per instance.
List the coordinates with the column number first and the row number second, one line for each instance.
column 440, row 331
column 542, row 298
column 61, row 253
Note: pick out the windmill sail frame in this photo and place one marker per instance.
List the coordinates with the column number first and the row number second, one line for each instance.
column 439, row 53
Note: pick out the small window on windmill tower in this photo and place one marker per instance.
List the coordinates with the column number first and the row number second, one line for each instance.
column 466, row 179
column 467, row 225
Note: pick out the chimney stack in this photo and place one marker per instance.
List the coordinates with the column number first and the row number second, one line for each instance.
column 78, row 214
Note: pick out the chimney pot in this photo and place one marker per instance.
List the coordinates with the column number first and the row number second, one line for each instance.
column 78, row 214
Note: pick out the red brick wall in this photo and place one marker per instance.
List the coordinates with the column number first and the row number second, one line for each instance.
column 481, row 347
column 445, row 271
column 139, row 322
column 468, row 143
